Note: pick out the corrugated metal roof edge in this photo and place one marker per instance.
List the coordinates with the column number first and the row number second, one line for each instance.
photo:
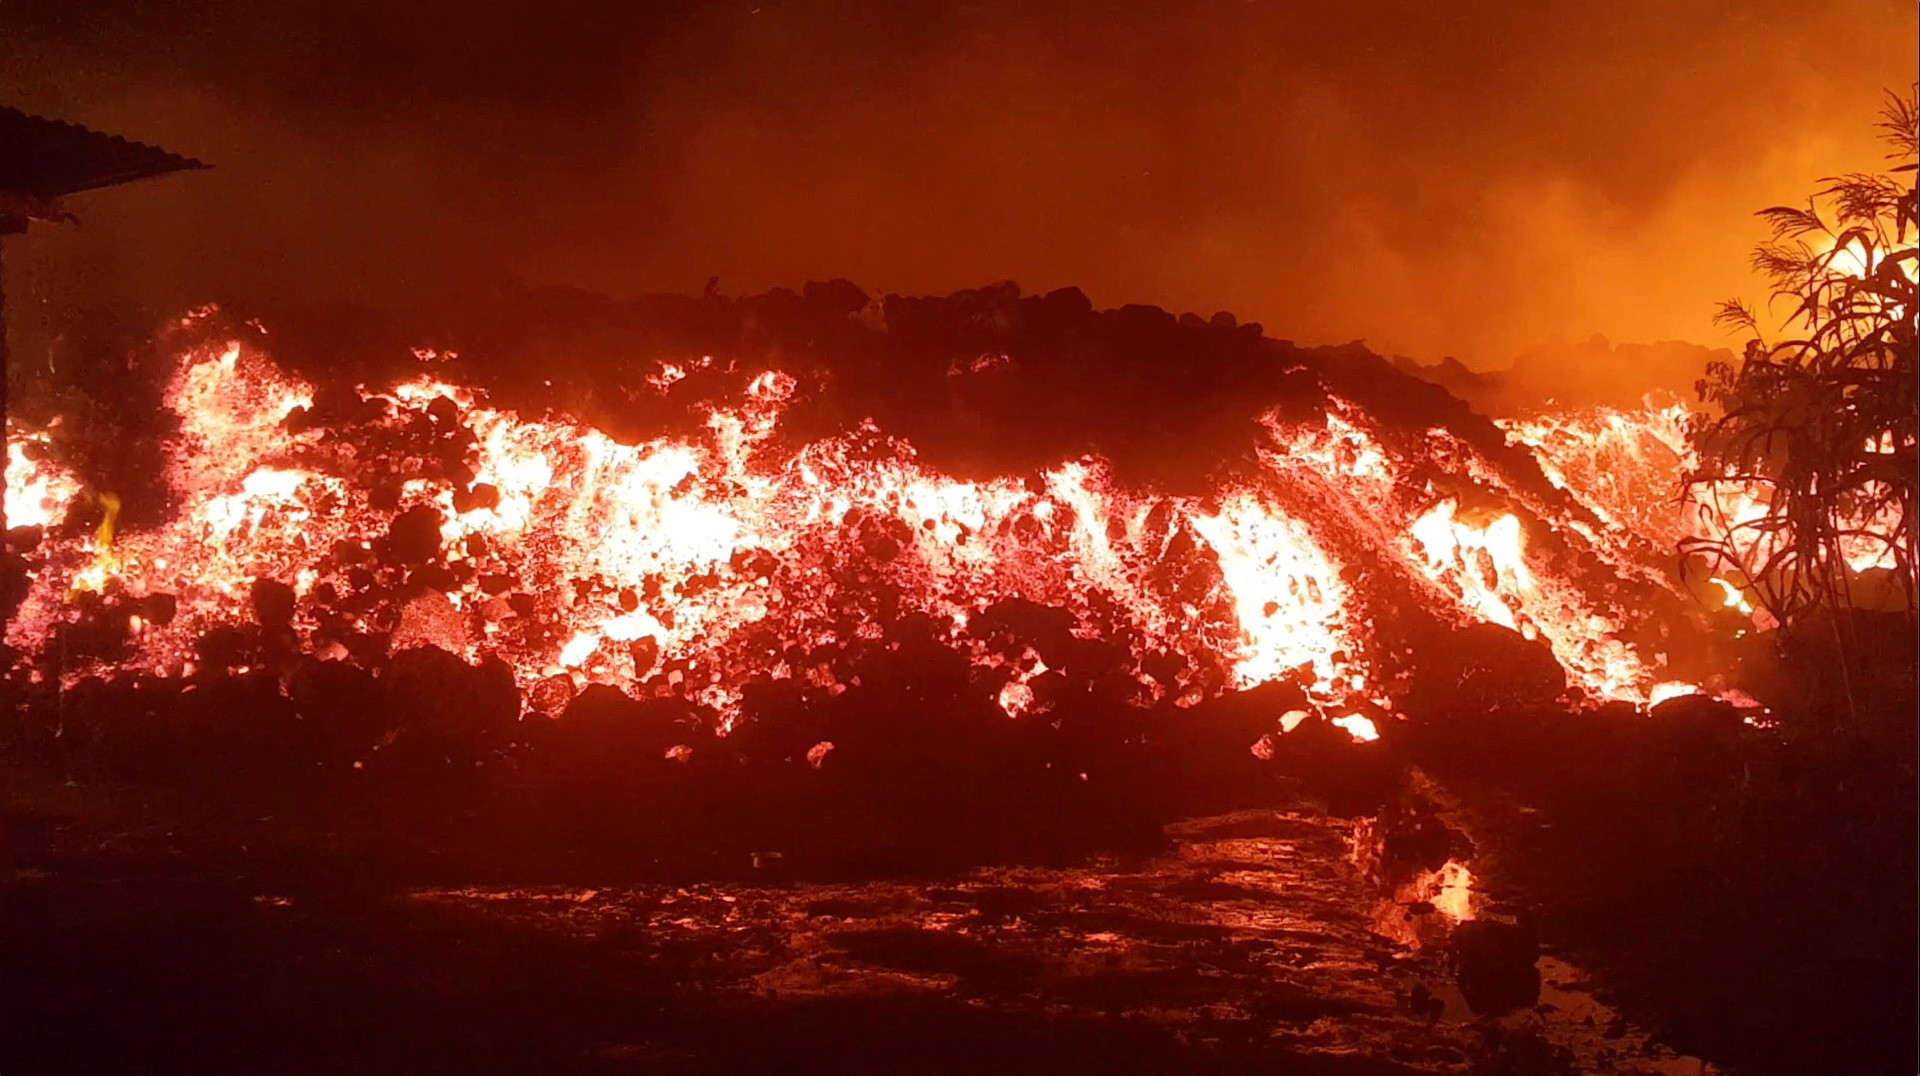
column 136, row 160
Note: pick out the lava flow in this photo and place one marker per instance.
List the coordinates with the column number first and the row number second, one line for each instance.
column 310, row 526
column 1627, row 466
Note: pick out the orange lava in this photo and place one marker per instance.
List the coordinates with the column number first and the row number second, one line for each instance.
column 1628, row 466
column 693, row 566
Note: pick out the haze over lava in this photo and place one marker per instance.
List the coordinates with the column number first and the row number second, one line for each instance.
column 1466, row 179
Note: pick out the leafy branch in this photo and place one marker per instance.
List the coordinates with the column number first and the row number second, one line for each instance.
column 1806, row 479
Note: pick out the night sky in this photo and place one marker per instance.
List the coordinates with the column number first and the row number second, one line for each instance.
column 1437, row 178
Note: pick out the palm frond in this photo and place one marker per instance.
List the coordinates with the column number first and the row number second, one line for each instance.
column 1800, row 419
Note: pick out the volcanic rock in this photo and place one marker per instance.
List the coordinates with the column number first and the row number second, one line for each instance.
column 435, row 576
column 444, row 411
column 1699, row 717
column 222, row 647
column 1346, row 777
column 160, row 608
column 428, row 618
column 778, row 725
column 1494, row 963
column 413, row 537
column 838, row 296
column 1048, row 630
column 338, row 703
column 645, row 652
column 983, row 383
column 478, row 496
column 273, row 603
column 1481, row 669
column 496, row 694
column 447, row 710
column 1229, row 725
column 606, row 732
column 1067, row 304
column 551, row 695
column 1694, row 740
column 383, row 493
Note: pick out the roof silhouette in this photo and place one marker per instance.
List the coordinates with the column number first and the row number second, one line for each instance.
column 49, row 158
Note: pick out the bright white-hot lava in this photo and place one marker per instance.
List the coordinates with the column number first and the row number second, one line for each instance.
column 38, row 490
column 1629, row 467
column 694, row 565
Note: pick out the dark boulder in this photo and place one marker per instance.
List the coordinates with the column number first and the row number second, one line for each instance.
column 413, row 538
column 1483, row 669
column 1495, row 965
column 479, row 495
column 160, row 609
column 1699, row 720
column 223, row 647
column 445, row 710
column 605, row 732
column 835, row 296
column 273, row 603
column 340, row 710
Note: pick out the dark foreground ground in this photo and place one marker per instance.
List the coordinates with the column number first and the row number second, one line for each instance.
column 1744, row 892
column 1770, row 927
column 150, row 931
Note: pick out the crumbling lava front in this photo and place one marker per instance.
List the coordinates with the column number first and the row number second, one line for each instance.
column 490, row 565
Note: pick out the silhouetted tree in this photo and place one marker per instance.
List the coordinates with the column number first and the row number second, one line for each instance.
column 1812, row 457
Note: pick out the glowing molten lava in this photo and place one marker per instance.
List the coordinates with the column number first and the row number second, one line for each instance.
column 1629, row 466
column 695, row 566
column 38, row 491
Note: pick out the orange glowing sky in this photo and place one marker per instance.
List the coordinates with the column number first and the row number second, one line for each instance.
column 1459, row 178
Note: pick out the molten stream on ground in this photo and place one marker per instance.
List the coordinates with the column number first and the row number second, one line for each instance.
column 693, row 566
column 1627, row 466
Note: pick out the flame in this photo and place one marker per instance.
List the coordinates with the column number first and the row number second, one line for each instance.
column 1734, row 597
column 1449, row 890
column 104, row 564
column 1671, row 689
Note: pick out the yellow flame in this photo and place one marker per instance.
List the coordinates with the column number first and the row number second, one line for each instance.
column 1670, row 689
column 104, row 564
column 1732, row 597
